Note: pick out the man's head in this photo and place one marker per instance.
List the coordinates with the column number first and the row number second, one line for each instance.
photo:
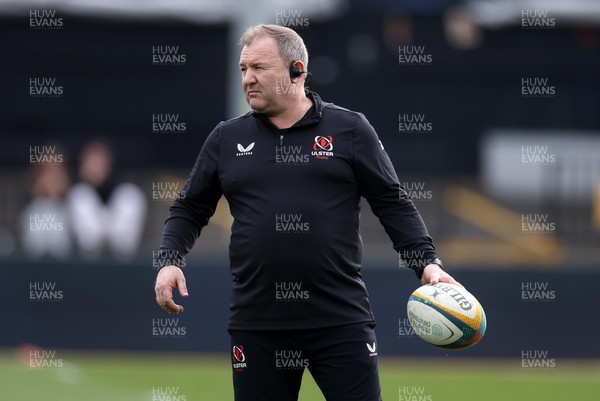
column 96, row 163
column 268, row 53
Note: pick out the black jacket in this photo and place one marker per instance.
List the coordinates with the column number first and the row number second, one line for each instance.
column 294, row 194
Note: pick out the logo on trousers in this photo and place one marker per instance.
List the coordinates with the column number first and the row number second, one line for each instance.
column 238, row 357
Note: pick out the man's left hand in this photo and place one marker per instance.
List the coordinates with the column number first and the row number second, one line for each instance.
column 433, row 274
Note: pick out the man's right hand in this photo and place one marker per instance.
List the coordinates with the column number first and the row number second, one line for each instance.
column 170, row 277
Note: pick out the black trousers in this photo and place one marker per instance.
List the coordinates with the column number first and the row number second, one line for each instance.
column 268, row 365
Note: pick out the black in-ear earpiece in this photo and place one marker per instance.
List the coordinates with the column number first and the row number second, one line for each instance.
column 295, row 71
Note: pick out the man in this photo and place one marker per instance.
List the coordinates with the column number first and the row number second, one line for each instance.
column 293, row 171
column 105, row 212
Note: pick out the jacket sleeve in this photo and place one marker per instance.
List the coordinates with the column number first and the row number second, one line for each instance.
column 389, row 201
column 196, row 204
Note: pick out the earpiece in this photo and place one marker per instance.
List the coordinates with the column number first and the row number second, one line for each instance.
column 295, row 72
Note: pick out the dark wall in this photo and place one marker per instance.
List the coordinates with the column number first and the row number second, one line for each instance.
column 462, row 93
column 112, row 307
column 112, row 89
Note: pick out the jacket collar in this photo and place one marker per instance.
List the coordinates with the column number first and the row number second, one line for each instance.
column 312, row 116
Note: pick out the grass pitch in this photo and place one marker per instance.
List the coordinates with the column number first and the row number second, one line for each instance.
column 96, row 376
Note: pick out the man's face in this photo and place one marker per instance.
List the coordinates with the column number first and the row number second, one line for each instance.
column 263, row 72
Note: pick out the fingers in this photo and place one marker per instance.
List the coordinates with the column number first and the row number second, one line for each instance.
column 171, row 307
column 446, row 278
column 165, row 301
column 168, row 278
column 182, row 287
column 451, row 280
column 430, row 275
column 434, row 278
column 433, row 275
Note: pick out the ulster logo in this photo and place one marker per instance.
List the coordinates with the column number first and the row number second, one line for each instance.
column 238, row 357
column 323, row 143
column 238, row 353
column 244, row 151
column 323, row 147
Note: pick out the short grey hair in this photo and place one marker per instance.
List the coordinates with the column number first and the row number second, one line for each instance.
column 290, row 44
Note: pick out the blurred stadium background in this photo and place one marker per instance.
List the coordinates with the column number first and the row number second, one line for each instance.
column 490, row 111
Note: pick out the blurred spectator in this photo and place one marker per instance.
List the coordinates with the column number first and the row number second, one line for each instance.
column 105, row 212
column 461, row 30
column 45, row 225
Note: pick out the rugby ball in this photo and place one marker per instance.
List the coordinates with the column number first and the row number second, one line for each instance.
column 446, row 315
